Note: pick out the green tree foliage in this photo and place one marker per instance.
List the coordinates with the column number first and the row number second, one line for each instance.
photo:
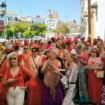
column 33, row 33
column 62, row 28
column 1, row 33
column 9, row 33
column 19, row 27
column 26, row 28
column 38, row 28
column 27, row 33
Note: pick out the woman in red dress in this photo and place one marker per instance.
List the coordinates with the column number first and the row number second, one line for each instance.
column 35, row 93
column 94, row 84
column 13, row 81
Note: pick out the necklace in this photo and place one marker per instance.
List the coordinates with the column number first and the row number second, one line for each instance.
column 14, row 72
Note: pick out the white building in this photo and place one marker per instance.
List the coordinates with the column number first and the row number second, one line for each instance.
column 26, row 18
column 74, row 27
column 97, row 18
column 30, row 19
column 38, row 19
column 84, row 17
column 10, row 17
column 51, row 20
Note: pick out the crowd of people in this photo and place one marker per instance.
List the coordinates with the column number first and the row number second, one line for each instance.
column 59, row 71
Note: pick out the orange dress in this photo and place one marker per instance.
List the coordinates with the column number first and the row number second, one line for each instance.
column 26, row 57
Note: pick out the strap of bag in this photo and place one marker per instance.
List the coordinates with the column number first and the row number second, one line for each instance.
column 35, row 64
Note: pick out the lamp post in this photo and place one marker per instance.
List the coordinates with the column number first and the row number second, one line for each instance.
column 3, row 14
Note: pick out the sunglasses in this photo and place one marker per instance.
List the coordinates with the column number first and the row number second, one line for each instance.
column 34, row 51
column 13, row 59
column 93, row 51
column 25, row 48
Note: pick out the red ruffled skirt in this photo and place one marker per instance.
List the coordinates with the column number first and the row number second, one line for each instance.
column 35, row 92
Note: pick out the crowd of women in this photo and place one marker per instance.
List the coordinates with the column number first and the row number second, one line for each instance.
column 55, row 72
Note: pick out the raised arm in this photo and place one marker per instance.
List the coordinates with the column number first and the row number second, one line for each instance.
column 44, row 67
column 97, row 67
column 28, row 72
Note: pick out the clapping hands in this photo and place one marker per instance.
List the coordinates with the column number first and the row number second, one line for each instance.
column 23, row 87
column 9, row 81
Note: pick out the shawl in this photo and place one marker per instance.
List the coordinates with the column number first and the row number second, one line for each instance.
column 51, row 79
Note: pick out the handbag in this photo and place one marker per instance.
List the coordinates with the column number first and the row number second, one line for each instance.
column 100, row 74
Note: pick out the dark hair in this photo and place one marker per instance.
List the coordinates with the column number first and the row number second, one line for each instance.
column 46, row 52
column 49, row 42
column 53, row 39
column 63, row 45
column 95, row 42
column 83, row 38
column 67, row 43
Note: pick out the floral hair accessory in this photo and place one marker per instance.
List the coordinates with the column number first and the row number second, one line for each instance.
column 20, row 57
column 79, row 46
column 73, row 51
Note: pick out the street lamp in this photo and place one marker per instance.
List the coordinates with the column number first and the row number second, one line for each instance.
column 3, row 8
column 3, row 14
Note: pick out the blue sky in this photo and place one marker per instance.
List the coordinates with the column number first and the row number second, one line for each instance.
column 67, row 9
